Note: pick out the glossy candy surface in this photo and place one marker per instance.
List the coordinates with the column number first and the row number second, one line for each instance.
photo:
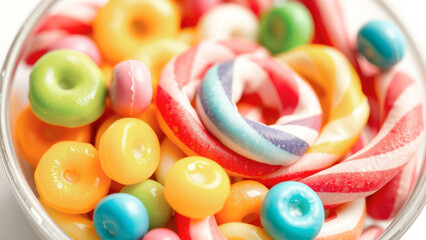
column 382, row 43
column 286, row 26
column 196, row 187
column 120, row 216
column 291, row 210
column 151, row 194
column 243, row 231
column 243, row 203
column 161, row 234
column 69, row 177
column 79, row 43
column 34, row 136
column 67, row 89
column 129, row 151
column 130, row 90
column 170, row 153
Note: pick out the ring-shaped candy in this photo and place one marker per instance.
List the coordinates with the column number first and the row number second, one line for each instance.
column 243, row 231
column 344, row 222
column 122, row 26
column 345, row 108
column 279, row 144
column 179, row 120
column 67, row 89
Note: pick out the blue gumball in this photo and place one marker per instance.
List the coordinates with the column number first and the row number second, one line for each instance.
column 292, row 210
column 382, row 43
column 120, row 216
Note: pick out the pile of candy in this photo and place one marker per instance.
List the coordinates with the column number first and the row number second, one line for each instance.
column 219, row 119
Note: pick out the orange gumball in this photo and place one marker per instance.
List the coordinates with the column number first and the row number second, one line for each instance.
column 243, row 204
column 34, row 137
column 69, row 177
column 129, row 151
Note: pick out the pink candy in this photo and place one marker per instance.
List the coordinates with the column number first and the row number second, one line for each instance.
column 79, row 43
column 130, row 91
column 161, row 234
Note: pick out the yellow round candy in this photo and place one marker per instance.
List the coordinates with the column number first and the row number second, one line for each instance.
column 196, row 187
column 122, row 26
column 170, row 153
column 243, row 231
column 129, row 151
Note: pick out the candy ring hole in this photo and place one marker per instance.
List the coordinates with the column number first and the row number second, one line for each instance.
column 237, row 33
column 66, row 82
column 109, row 229
column 139, row 28
column 250, row 218
column 298, row 206
column 71, row 176
column 277, row 28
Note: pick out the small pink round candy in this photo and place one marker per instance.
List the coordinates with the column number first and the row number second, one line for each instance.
column 130, row 90
column 161, row 234
column 79, row 43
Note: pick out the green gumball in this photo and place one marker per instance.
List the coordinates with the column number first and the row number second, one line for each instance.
column 67, row 89
column 285, row 27
column 150, row 193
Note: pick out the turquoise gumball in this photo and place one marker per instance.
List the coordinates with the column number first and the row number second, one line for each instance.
column 67, row 89
column 382, row 43
column 292, row 210
column 120, row 216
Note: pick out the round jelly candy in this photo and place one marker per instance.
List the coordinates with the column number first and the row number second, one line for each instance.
column 151, row 194
column 120, row 216
column 161, row 234
column 196, row 187
column 129, row 151
column 292, row 210
column 69, row 177
column 67, row 89
column 286, row 26
column 170, row 153
column 130, row 90
column 382, row 43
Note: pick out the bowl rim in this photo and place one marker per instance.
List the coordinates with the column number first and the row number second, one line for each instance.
column 46, row 228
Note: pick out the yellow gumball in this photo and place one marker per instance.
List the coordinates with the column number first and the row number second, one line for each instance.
column 129, row 151
column 196, row 187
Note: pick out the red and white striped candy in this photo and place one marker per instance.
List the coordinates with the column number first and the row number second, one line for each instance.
column 198, row 229
column 344, row 222
column 178, row 118
column 75, row 18
column 256, row 6
column 383, row 158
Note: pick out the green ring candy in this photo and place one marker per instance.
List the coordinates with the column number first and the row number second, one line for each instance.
column 286, row 26
column 67, row 89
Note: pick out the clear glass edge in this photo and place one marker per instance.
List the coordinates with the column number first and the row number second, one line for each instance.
column 36, row 213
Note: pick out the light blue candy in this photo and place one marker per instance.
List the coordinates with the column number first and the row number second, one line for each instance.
column 292, row 210
column 382, row 43
column 120, row 216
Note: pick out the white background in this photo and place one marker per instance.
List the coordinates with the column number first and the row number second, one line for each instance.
column 13, row 225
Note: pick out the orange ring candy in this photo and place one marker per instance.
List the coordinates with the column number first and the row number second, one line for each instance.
column 75, row 226
column 34, row 136
column 243, row 203
column 157, row 54
column 69, row 177
column 122, row 26
column 129, row 151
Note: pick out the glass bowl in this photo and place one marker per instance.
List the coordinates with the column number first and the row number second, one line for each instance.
column 14, row 92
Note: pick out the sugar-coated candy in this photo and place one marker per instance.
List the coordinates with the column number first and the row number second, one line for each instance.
column 239, row 230
column 151, row 193
column 291, row 210
column 120, row 216
column 382, row 43
column 243, row 203
column 79, row 43
column 129, row 151
column 228, row 20
column 281, row 143
column 69, row 177
column 286, row 26
column 67, row 89
column 161, row 234
column 34, row 137
column 130, row 90
column 122, row 26
column 196, row 187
